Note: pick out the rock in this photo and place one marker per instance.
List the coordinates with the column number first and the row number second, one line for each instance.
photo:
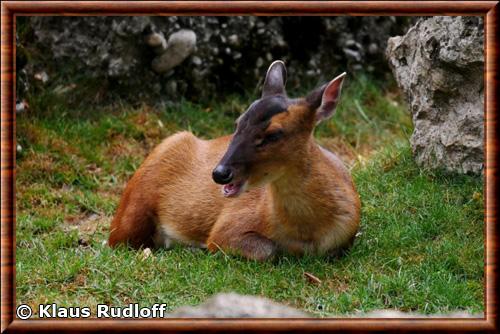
column 352, row 54
column 233, row 305
column 197, row 61
column 146, row 253
column 157, row 41
column 41, row 76
column 179, row 46
column 439, row 65
column 373, row 48
column 21, row 106
column 128, row 57
column 233, row 40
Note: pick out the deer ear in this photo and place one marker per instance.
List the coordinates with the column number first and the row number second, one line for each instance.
column 274, row 84
column 324, row 99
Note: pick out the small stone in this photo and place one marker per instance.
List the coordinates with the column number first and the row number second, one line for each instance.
column 146, row 253
column 156, row 40
column 352, row 54
column 115, row 67
column 350, row 43
column 196, row 60
column 372, row 48
column 42, row 76
column 21, row 106
column 233, row 40
column 180, row 45
column 281, row 42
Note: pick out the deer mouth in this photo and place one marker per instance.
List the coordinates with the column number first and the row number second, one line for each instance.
column 234, row 189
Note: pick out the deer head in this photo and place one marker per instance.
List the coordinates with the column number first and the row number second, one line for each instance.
column 274, row 132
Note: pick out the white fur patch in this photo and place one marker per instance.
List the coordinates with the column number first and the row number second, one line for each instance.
column 161, row 238
column 166, row 237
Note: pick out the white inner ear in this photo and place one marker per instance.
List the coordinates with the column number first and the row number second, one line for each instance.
column 330, row 98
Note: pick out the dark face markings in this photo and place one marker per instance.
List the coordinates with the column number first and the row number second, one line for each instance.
column 261, row 111
column 251, row 128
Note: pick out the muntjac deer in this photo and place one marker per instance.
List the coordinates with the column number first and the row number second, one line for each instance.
column 275, row 188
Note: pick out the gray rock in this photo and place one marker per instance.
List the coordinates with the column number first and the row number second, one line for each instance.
column 157, row 41
column 232, row 52
column 42, row 76
column 439, row 66
column 197, row 61
column 373, row 48
column 233, row 305
column 352, row 55
column 20, row 106
column 234, row 40
column 180, row 45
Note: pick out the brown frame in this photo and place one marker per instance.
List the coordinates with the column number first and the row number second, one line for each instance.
column 11, row 9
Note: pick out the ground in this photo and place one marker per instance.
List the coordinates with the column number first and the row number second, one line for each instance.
column 420, row 247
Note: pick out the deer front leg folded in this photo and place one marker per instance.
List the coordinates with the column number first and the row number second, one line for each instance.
column 247, row 243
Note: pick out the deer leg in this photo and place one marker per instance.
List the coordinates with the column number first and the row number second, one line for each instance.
column 133, row 225
column 342, row 250
column 250, row 244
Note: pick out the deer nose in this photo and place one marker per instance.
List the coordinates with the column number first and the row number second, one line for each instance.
column 222, row 174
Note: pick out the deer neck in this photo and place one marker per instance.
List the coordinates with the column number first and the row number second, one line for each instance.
column 295, row 196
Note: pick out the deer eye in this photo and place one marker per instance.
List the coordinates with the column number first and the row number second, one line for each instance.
column 270, row 138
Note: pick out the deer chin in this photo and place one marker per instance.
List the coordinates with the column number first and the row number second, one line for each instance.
column 234, row 189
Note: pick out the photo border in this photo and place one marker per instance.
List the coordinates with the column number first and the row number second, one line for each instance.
column 10, row 9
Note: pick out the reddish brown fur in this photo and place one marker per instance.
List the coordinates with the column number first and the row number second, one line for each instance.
column 301, row 199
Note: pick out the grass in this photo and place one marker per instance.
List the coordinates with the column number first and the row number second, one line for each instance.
column 420, row 248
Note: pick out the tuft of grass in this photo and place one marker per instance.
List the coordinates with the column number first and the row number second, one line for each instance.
column 420, row 248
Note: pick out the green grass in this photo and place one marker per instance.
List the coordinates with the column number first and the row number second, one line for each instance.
column 420, row 248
